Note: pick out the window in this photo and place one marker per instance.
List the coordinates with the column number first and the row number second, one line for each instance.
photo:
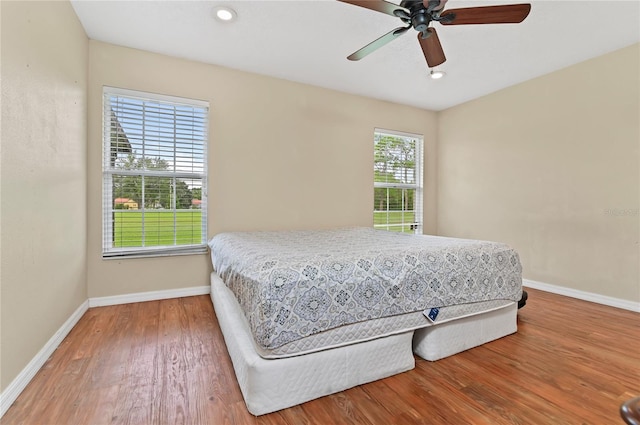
column 154, row 174
column 397, row 166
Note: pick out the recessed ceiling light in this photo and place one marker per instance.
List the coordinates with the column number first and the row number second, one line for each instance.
column 436, row 75
column 224, row 14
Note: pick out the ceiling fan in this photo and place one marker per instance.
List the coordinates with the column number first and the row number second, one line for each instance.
column 418, row 14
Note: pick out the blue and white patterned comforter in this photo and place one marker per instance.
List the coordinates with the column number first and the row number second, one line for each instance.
column 292, row 284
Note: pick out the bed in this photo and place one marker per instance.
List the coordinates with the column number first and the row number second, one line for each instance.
column 309, row 313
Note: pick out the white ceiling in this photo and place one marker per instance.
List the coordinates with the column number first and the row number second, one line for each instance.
column 308, row 41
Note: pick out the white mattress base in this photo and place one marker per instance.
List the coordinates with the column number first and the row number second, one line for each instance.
column 270, row 385
column 445, row 339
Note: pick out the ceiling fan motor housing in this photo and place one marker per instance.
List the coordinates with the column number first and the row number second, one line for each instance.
column 420, row 21
column 420, row 17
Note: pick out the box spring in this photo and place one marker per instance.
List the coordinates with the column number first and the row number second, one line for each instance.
column 452, row 337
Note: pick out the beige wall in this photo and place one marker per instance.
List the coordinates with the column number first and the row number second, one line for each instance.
column 551, row 167
column 43, row 266
column 282, row 155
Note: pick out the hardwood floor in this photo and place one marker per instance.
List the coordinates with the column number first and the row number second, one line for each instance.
column 165, row 362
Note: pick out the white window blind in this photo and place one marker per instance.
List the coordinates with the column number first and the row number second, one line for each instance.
column 397, row 166
column 154, row 174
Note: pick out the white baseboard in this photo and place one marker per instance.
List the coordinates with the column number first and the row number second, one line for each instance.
column 583, row 295
column 13, row 390
column 139, row 297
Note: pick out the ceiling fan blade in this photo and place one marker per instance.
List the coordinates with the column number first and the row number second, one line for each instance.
column 379, row 6
column 432, row 48
column 376, row 44
column 506, row 14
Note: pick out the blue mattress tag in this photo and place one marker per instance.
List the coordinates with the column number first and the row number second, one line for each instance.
column 433, row 313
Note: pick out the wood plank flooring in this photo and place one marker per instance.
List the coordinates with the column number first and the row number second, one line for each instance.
column 165, row 362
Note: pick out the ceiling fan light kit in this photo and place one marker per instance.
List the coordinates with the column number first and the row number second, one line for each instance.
column 436, row 75
column 419, row 14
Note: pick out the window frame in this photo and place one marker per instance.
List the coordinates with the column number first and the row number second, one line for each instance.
column 418, row 186
column 109, row 171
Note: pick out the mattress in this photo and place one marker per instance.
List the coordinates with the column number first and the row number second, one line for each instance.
column 376, row 328
column 270, row 385
column 295, row 285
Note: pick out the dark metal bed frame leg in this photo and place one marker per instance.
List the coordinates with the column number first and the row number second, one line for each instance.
column 523, row 299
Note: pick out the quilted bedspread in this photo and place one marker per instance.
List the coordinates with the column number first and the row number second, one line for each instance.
column 292, row 284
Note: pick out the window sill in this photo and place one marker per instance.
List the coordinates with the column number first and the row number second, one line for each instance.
column 150, row 253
